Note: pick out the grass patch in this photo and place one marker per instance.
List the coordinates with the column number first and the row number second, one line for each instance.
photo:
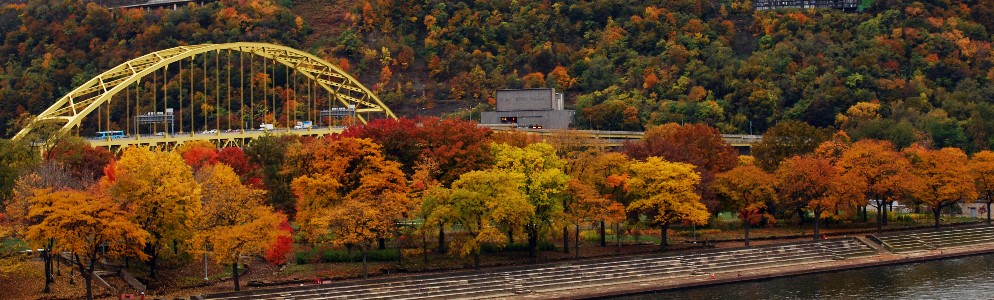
column 516, row 247
column 341, row 255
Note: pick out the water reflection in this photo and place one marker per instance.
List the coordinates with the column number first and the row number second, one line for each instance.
column 961, row 278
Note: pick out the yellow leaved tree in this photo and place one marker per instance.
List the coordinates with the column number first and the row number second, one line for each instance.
column 482, row 202
column 542, row 181
column 234, row 221
column 666, row 192
column 86, row 224
column 158, row 192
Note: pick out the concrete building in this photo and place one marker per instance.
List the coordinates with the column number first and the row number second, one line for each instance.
column 529, row 108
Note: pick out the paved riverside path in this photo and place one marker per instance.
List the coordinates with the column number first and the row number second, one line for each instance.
column 932, row 239
column 544, row 278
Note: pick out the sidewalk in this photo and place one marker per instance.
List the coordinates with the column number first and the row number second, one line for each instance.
column 886, row 258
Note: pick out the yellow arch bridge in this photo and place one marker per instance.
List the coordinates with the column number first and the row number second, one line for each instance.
column 228, row 94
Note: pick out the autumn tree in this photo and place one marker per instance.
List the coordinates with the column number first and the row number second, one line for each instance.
column 696, row 144
column 584, row 204
column 785, row 140
column 666, row 192
column 542, row 182
column 982, row 167
column 159, row 193
column 349, row 189
column 234, row 221
column 813, row 183
column 16, row 159
column 881, row 170
column 269, row 153
column 45, row 177
column 457, row 146
column 606, row 173
column 482, row 202
column 747, row 190
column 88, row 225
column 945, row 177
column 200, row 156
column 83, row 162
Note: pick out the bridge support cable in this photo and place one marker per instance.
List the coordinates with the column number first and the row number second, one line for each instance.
column 227, row 66
column 241, row 90
column 217, row 90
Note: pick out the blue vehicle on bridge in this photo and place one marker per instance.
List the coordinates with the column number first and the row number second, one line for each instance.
column 115, row 134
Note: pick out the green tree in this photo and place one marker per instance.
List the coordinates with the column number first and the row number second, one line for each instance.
column 482, row 202
column 785, row 140
column 542, row 182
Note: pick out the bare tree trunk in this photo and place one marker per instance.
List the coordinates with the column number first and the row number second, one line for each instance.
column 383, row 243
column 880, row 227
column 234, row 274
column 663, row 244
column 817, row 222
column 424, row 247
column 532, row 240
column 938, row 211
column 576, row 251
column 617, row 236
column 988, row 213
column 604, row 237
column 441, row 239
column 884, row 208
column 365, row 269
column 746, row 232
column 87, row 275
column 46, row 256
column 476, row 260
column 565, row 239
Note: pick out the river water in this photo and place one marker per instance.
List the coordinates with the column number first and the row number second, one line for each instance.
column 959, row 278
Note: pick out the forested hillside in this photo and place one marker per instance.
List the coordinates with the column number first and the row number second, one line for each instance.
column 903, row 71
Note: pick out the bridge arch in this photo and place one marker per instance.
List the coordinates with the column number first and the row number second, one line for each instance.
column 84, row 99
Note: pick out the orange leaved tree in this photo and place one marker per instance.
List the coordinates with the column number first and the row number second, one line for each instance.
column 349, row 189
column 982, row 166
column 814, row 183
column 584, row 204
column 666, row 191
column 747, row 190
column 945, row 177
column 883, row 172
column 86, row 224
column 605, row 172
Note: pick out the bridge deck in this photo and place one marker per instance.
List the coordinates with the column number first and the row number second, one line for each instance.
column 222, row 139
column 239, row 138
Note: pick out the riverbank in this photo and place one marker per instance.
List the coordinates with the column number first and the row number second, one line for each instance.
column 883, row 258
